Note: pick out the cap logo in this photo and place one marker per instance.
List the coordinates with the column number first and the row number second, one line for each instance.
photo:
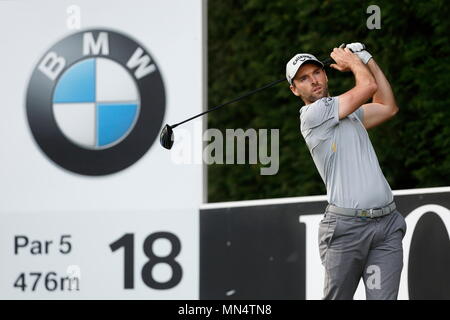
column 301, row 58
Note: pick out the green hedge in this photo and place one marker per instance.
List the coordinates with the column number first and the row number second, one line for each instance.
column 249, row 43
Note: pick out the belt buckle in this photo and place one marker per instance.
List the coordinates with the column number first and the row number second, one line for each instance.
column 366, row 213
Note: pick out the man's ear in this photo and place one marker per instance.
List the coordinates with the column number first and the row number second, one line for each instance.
column 294, row 90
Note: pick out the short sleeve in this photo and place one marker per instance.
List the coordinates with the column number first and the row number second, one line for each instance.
column 360, row 114
column 323, row 112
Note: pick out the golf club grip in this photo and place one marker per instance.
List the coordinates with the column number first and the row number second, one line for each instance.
column 326, row 62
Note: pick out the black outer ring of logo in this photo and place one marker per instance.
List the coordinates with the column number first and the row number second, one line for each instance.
column 39, row 106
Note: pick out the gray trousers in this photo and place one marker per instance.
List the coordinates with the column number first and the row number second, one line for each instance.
column 354, row 247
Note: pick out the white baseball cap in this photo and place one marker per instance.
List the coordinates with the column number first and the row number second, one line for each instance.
column 296, row 62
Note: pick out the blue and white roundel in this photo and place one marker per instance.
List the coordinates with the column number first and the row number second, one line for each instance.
column 96, row 103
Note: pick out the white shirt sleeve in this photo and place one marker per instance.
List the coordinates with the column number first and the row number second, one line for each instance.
column 323, row 112
column 360, row 114
column 318, row 121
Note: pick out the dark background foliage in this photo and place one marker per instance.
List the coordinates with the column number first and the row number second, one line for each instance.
column 249, row 43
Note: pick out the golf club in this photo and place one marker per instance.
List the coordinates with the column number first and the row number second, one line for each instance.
column 167, row 138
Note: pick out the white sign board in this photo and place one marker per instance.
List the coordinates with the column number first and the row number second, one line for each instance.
column 92, row 207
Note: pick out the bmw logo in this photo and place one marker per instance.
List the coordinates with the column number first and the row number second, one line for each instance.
column 95, row 102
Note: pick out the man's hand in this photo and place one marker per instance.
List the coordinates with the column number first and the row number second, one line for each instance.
column 345, row 59
column 359, row 49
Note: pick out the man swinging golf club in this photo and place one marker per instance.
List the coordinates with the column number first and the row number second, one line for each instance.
column 361, row 232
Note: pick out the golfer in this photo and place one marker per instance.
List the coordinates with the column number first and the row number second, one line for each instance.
column 361, row 232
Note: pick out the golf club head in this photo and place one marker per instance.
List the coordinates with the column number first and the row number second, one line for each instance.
column 166, row 137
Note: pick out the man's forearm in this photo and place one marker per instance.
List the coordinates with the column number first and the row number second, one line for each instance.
column 384, row 94
column 363, row 76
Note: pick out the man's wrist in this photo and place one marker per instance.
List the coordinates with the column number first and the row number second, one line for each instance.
column 357, row 64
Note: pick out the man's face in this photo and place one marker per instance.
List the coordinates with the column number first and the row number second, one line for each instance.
column 310, row 83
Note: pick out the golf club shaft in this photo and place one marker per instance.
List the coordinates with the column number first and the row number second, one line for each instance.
column 326, row 62
column 231, row 101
